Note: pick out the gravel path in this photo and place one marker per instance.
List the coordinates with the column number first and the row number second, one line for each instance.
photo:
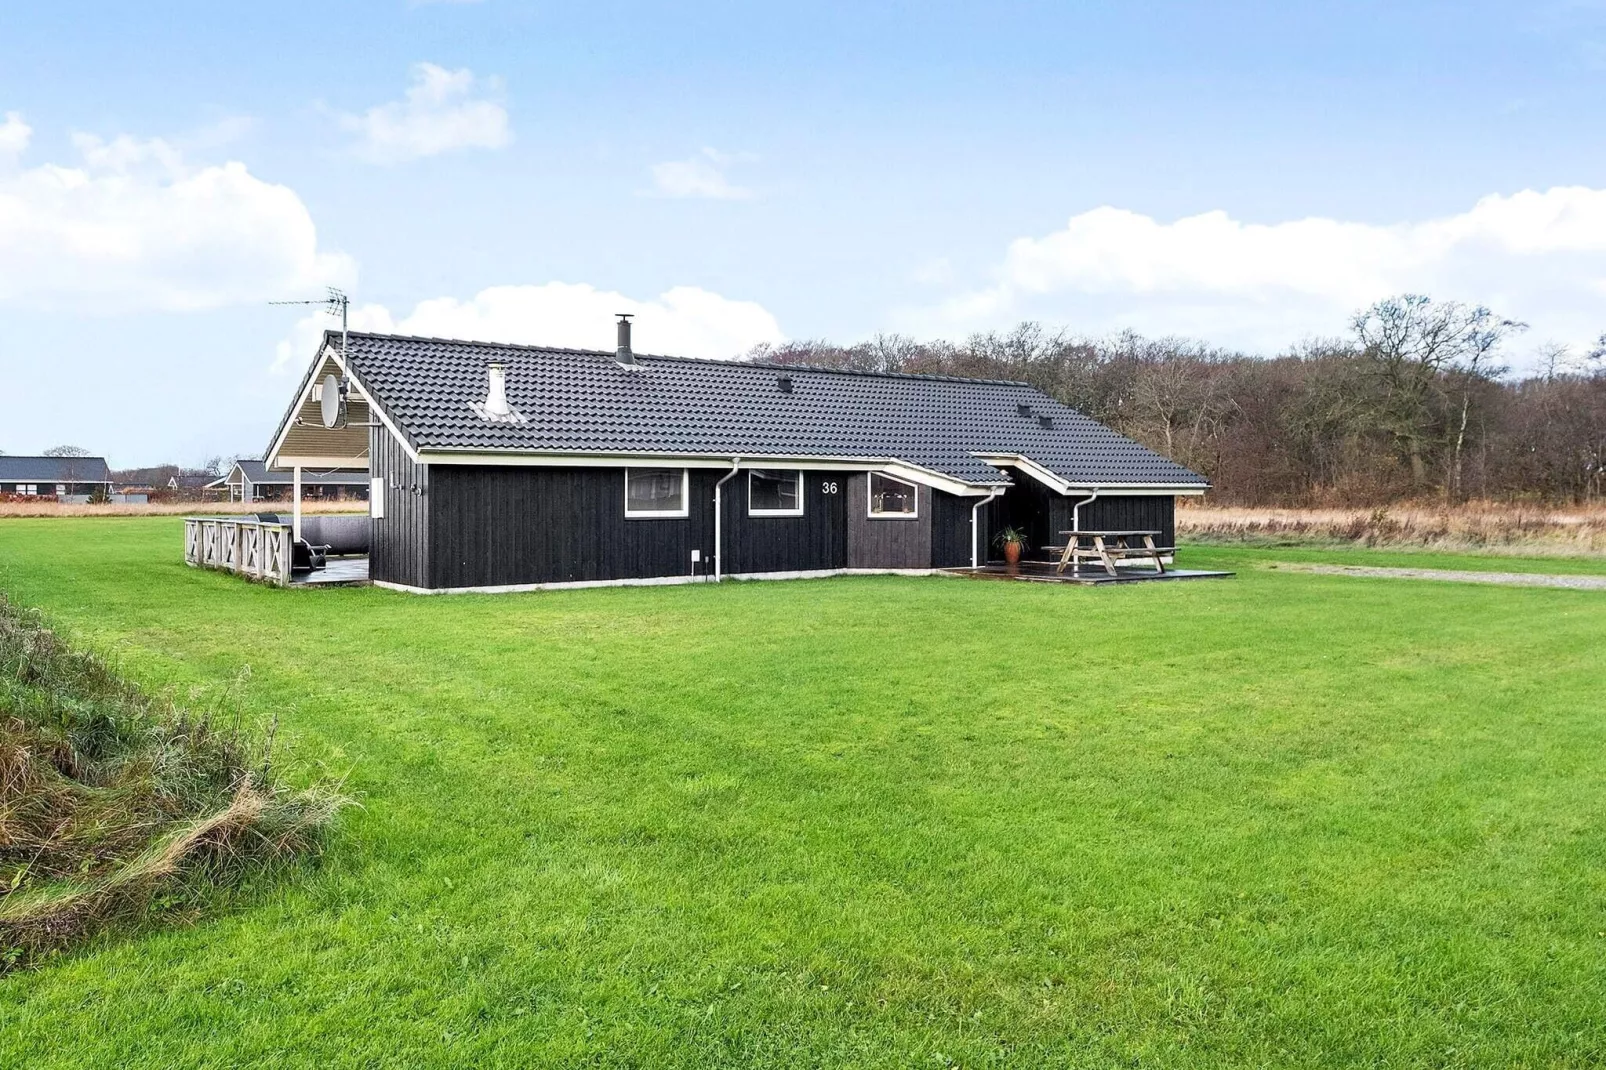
column 1515, row 579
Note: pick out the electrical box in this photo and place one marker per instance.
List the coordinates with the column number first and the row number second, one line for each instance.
column 696, row 556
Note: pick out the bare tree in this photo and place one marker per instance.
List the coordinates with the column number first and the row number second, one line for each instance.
column 67, row 451
column 1412, row 342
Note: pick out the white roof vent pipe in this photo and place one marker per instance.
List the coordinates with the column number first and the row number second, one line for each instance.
column 496, row 390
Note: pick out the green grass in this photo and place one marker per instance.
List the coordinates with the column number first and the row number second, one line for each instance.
column 1281, row 820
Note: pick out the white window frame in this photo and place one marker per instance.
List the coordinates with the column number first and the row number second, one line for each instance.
column 660, row 514
column 751, row 511
column 869, row 498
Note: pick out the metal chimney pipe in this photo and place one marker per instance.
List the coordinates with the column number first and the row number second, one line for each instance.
column 624, row 354
column 496, row 389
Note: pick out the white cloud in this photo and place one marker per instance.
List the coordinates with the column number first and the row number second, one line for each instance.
column 684, row 321
column 133, row 227
column 702, row 175
column 14, row 135
column 443, row 111
column 1538, row 256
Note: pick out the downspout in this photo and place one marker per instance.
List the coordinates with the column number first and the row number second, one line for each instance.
column 1076, row 510
column 719, row 554
column 1076, row 525
column 975, row 527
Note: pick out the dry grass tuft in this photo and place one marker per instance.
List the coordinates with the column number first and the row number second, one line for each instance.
column 116, row 806
column 1488, row 526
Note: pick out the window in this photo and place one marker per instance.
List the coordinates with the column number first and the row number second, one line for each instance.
column 656, row 492
column 893, row 498
column 774, row 493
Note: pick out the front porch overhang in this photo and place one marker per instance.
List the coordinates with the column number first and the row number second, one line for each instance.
column 1060, row 485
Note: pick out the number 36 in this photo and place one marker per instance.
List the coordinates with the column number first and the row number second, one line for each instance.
column 828, row 488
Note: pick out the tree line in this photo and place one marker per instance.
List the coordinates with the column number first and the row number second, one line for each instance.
column 1415, row 402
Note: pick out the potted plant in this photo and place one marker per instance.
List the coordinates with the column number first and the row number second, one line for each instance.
column 1012, row 541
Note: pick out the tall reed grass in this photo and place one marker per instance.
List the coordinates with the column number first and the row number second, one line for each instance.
column 117, row 806
column 1488, row 526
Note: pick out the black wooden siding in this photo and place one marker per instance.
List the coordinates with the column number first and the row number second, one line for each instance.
column 1131, row 513
column 399, row 550
column 886, row 542
column 451, row 526
column 950, row 530
column 815, row 540
column 504, row 525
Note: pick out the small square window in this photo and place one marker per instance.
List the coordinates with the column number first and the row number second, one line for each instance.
column 774, row 493
column 893, row 498
column 656, row 492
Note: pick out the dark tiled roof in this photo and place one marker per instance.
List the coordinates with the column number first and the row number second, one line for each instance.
column 582, row 401
column 257, row 472
column 54, row 470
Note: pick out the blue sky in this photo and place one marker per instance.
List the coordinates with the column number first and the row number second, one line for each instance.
column 1246, row 173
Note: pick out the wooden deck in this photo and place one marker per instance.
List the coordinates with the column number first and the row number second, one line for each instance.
column 1045, row 572
column 339, row 572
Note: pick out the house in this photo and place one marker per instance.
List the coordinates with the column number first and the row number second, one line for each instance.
column 501, row 467
column 254, row 481
column 55, row 477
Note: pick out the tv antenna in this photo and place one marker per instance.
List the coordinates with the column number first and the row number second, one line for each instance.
column 336, row 304
column 332, row 391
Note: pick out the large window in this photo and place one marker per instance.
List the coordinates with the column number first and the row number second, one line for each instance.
column 771, row 492
column 893, row 499
column 656, row 492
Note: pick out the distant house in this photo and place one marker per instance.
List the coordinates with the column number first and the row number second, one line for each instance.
column 254, row 481
column 55, row 477
column 514, row 467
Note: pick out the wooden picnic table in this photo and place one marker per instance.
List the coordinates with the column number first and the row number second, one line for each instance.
column 1107, row 548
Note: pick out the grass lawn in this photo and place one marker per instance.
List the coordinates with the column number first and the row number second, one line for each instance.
column 1282, row 820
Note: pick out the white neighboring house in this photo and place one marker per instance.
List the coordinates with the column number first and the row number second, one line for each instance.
column 254, row 481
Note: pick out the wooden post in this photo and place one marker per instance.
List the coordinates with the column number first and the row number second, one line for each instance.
column 295, row 511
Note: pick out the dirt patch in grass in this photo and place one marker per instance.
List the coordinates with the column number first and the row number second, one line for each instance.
column 117, row 806
column 1475, row 526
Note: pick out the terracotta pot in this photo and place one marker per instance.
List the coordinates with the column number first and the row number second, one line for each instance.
column 1012, row 555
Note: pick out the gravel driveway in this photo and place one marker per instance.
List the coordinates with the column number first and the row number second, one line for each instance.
column 1514, row 579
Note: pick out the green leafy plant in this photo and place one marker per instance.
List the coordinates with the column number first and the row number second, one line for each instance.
column 1008, row 535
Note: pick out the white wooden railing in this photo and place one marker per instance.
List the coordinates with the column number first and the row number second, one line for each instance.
column 256, row 548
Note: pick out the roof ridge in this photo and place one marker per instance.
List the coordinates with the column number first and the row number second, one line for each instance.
column 817, row 369
column 48, row 457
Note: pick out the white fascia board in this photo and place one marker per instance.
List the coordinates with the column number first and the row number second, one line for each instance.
column 1137, row 490
column 1027, row 465
column 899, row 469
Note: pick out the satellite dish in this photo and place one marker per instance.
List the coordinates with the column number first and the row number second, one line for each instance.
column 330, row 400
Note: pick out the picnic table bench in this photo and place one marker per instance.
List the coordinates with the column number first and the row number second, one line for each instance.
column 1108, row 547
